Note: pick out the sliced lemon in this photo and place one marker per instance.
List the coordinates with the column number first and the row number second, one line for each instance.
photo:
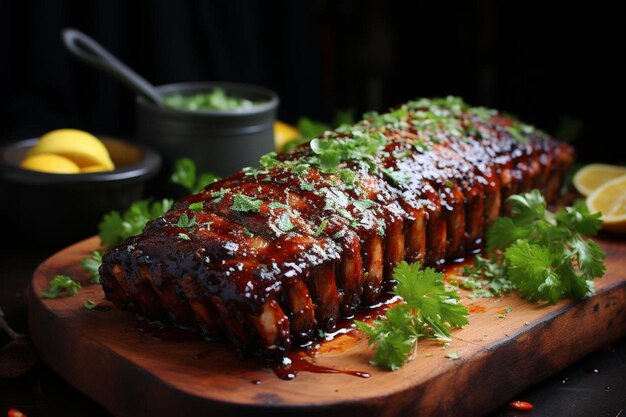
column 53, row 164
column 79, row 146
column 610, row 200
column 283, row 133
column 590, row 177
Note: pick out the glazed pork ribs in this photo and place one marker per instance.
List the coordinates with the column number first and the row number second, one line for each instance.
column 273, row 255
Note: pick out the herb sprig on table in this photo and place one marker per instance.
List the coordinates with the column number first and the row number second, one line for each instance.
column 546, row 256
column 61, row 284
column 427, row 309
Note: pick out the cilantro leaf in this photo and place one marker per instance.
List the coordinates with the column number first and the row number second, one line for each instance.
column 92, row 265
column 284, row 222
column 197, row 206
column 185, row 221
column 530, row 269
column 320, row 228
column 59, row 284
column 244, row 203
column 394, row 338
column 115, row 227
column 428, row 309
column 546, row 256
column 424, row 291
column 185, row 175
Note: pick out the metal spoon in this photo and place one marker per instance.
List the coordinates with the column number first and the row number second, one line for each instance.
column 91, row 52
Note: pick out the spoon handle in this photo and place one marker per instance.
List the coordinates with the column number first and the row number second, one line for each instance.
column 91, row 52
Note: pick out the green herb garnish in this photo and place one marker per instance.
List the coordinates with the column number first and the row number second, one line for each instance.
column 90, row 305
column 92, row 265
column 428, row 309
column 545, row 255
column 219, row 195
column 185, row 221
column 198, row 206
column 115, row 227
column 284, row 222
column 185, row 175
column 59, row 284
column 320, row 228
column 215, row 99
column 245, row 204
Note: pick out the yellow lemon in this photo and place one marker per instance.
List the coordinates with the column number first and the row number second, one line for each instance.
column 283, row 133
column 54, row 164
column 590, row 177
column 610, row 200
column 79, row 146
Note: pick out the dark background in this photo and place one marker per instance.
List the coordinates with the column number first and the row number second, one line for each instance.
column 560, row 68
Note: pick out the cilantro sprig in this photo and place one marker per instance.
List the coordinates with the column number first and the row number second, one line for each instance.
column 546, row 256
column 92, row 265
column 115, row 227
column 427, row 309
column 185, row 175
column 61, row 284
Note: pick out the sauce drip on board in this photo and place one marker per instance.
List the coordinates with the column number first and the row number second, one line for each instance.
column 296, row 362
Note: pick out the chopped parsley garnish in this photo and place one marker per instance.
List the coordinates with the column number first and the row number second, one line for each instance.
column 339, row 234
column 396, row 177
column 198, row 206
column 306, row 186
column 364, row 204
column 92, row 265
column 284, row 222
column 421, row 146
column 219, row 195
column 247, row 232
column 428, row 309
column 244, row 203
column 360, row 145
column 61, row 284
column 347, row 176
column 546, row 256
column 90, row 305
column 185, row 221
column 278, row 205
column 184, row 236
column 320, row 229
column 269, row 160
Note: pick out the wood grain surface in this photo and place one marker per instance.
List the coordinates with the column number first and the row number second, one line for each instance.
column 132, row 374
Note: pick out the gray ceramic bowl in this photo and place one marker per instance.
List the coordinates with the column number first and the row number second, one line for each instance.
column 220, row 141
column 53, row 210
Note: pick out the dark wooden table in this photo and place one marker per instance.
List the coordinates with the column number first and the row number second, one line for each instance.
column 594, row 386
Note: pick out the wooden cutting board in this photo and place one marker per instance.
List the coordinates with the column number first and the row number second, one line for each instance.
column 132, row 374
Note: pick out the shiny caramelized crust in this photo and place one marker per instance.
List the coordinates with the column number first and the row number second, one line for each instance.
column 311, row 248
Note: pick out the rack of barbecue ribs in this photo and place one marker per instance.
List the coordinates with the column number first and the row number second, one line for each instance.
column 272, row 256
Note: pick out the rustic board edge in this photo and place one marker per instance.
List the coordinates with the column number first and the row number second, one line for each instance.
column 511, row 365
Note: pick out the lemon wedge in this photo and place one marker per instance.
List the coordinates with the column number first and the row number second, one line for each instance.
column 610, row 200
column 53, row 164
column 84, row 149
column 590, row 177
column 283, row 133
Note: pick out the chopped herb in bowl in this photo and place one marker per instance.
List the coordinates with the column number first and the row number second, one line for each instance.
column 216, row 99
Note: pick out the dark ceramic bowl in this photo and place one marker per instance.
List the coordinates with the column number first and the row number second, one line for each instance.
column 219, row 141
column 53, row 210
